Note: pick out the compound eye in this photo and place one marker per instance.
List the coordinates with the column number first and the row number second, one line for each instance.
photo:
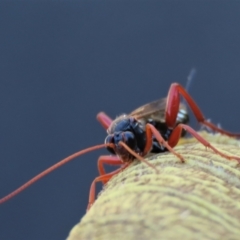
column 129, row 139
column 110, row 139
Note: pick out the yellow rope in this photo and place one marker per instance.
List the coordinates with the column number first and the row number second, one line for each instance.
column 198, row 199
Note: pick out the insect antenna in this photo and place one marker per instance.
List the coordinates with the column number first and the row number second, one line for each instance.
column 50, row 169
column 138, row 156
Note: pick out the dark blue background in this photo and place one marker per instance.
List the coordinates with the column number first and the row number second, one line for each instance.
column 62, row 62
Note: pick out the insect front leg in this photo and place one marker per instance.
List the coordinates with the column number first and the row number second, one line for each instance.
column 175, row 134
column 110, row 160
column 172, row 108
column 152, row 131
column 104, row 178
column 104, row 119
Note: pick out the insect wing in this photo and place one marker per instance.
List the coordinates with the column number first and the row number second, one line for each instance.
column 155, row 109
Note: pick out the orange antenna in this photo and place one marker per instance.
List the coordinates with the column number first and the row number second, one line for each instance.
column 138, row 156
column 50, row 169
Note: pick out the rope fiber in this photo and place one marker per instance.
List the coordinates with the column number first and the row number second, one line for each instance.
column 198, row 199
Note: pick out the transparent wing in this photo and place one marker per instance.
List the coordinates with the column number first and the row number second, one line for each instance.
column 155, row 108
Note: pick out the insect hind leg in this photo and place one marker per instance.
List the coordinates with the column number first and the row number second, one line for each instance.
column 173, row 102
column 207, row 144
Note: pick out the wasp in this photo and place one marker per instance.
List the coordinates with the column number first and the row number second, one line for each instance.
column 152, row 128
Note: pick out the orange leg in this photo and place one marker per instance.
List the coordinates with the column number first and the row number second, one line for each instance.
column 172, row 108
column 176, row 134
column 174, row 138
column 110, row 160
column 104, row 119
column 103, row 178
column 152, row 131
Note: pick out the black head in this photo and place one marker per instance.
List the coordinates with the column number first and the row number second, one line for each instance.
column 128, row 130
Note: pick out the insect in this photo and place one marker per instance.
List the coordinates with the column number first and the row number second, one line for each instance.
column 153, row 128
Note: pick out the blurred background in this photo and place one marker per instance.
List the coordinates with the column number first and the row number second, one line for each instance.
column 61, row 62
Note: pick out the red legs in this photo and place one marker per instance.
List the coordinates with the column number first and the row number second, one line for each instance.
column 172, row 108
column 107, row 159
column 175, row 137
column 113, row 160
column 104, row 178
column 110, row 160
column 104, row 119
column 152, row 131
